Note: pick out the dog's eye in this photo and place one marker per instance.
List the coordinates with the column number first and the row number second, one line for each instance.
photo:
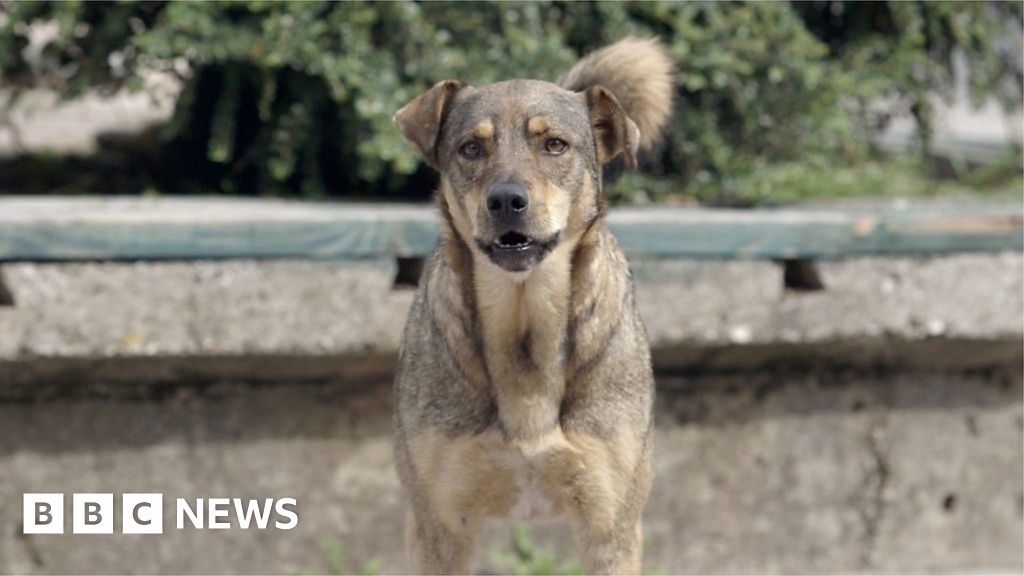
column 556, row 146
column 471, row 150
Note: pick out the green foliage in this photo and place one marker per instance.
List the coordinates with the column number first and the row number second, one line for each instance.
column 902, row 175
column 526, row 558
column 338, row 562
column 296, row 98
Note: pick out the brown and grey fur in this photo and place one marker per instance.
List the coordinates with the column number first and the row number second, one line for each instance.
column 524, row 382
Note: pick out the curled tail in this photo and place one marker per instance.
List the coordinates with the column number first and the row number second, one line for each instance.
column 639, row 73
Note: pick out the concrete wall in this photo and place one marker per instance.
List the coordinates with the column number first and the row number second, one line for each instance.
column 874, row 426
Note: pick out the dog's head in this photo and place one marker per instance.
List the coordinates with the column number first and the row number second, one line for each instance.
column 520, row 161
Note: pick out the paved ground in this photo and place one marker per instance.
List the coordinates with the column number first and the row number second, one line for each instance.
column 756, row 472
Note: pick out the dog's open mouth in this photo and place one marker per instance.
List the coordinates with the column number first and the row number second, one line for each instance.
column 515, row 251
column 513, row 241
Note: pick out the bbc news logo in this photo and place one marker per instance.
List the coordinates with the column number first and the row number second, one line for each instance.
column 94, row 513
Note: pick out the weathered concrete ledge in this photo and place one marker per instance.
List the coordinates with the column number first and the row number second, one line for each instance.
column 872, row 426
column 304, row 320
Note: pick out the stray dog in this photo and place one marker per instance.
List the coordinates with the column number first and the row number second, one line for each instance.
column 524, row 380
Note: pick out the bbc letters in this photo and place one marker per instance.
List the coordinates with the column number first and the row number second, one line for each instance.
column 94, row 513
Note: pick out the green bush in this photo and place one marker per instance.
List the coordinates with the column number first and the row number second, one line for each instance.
column 296, row 98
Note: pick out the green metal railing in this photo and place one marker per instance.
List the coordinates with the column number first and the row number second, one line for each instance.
column 91, row 228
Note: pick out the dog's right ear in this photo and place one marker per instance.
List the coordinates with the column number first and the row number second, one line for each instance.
column 614, row 132
column 420, row 120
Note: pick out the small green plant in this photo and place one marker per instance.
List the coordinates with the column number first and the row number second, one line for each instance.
column 338, row 562
column 527, row 558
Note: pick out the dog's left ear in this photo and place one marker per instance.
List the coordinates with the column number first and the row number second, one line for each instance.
column 614, row 132
column 420, row 120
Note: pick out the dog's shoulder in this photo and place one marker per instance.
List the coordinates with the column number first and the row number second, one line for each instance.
column 441, row 380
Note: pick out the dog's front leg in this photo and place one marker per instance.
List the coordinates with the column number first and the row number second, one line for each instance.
column 435, row 549
column 459, row 480
column 617, row 551
column 603, row 483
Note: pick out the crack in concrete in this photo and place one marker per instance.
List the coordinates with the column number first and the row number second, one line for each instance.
column 875, row 483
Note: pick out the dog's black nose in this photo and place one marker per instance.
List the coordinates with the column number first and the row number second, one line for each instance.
column 507, row 200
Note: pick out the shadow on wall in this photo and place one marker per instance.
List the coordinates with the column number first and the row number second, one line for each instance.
column 232, row 410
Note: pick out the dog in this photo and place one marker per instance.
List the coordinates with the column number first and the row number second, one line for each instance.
column 524, row 384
